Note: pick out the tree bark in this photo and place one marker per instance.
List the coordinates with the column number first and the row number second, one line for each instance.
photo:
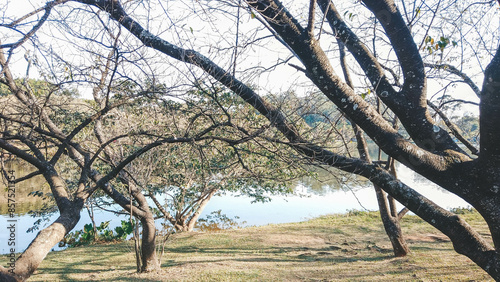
column 391, row 225
column 45, row 240
column 389, row 219
column 148, row 255
column 137, row 247
column 203, row 203
column 489, row 156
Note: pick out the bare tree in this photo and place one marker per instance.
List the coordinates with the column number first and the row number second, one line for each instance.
column 35, row 130
column 53, row 132
column 393, row 69
column 45, row 125
column 187, row 176
column 430, row 151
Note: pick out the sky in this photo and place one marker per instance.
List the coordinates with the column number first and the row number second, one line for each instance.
column 284, row 79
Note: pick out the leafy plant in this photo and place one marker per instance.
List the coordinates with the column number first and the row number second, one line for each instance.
column 102, row 233
column 434, row 45
column 463, row 210
column 216, row 220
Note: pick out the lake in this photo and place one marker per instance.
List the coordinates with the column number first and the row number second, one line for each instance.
column 323, row 199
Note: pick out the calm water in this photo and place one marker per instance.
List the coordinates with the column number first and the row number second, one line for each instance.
column 318, row 199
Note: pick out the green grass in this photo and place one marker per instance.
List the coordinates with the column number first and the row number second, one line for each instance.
column 351, row 247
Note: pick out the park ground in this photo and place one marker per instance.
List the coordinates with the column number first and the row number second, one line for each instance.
column 347, row 247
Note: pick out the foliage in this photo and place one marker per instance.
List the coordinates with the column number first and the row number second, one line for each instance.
column 469, row 126
column 104, row 234
column 235, row 156
column 463, row 210
column 440, row 44
column 355, row 212
column 216, row 220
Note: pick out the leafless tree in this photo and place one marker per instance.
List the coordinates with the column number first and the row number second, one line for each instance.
column 393, row 70
column 430, row 150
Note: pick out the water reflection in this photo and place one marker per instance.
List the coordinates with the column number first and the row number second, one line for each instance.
column 324, row 194
column 29, row 194
column 327, row 181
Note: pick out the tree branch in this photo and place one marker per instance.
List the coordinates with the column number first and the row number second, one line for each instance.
column 452, row 69
column 454, row 129
column 366, row 60
column 490, row 113
column 48, row 7
column 310, row 20
column 414, row 86
column 317, row 63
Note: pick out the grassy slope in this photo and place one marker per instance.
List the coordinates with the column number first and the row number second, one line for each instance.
column 330, row 248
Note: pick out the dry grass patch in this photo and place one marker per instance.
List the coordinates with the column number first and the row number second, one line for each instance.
column 331, row 248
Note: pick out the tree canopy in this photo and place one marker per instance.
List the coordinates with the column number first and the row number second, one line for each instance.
column 390, row 68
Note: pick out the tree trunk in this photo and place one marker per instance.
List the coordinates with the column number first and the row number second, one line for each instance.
column 192, row 221
column 143, row 213
column 181, row 227
column 391, row 225
column 149, row 259
column 137, row 247
column 203, row 203
column 388, row 216
column 46, row 239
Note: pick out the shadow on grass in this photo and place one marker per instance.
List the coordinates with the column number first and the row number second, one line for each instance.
column 425, row 246
column 281, row 252
column 331, row 254
column 79, row 261
column 135, row 279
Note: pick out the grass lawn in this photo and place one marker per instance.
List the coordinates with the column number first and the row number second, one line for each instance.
column 350, row 247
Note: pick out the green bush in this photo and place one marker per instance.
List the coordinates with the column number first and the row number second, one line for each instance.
column 461, row 210
column 217, row 221
column 104, row 234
